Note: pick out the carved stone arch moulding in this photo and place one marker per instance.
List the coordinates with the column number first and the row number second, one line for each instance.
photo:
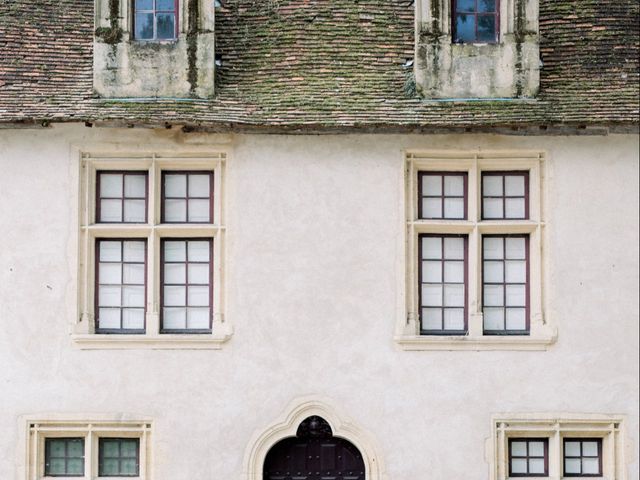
column 287, row 424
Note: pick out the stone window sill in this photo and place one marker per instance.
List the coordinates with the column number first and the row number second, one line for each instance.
column 150, row 342
column 475, row 343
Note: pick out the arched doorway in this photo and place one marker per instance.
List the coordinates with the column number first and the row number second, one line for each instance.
column 314, row 454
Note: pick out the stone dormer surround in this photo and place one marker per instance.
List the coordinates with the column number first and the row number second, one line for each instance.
column 506, row 69
column 181, row 68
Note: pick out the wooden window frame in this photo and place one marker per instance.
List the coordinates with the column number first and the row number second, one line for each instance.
column 47, row 456
column 466, row 283
column 545, row 441
column 581, row 440
column 187, row 173
column 504, row 196
column 124, row 173
column 101, row 456
column 442, row 196
column 475, row 14
column 155, row 12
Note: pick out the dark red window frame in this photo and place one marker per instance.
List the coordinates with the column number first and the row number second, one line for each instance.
column 475, row 14
column 124, row 173
column 155, row 11
column 581, row 440
column 120, row 331
column 504, row 196
column 505, row 283
column 422, row 195
column 47, row 456
column 187, row 198
column 466, row 284
column 120, row 458
column 528, row 457
column 186, row 284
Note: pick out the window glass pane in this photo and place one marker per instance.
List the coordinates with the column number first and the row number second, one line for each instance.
column 432, row 272
column 110, row 467
column 516, row 295
column 199, row 211
column 175, row 210
column 432, row 208
column 519, row 449
column 109, row 318
column 432, row 319
column 165, row 5
column 536, row 449
column 144, row 26
column 133, row 318
column 174, row 273
column 135, row 186
column 175, row 185
column 129, row 448
column 572, row 465
column 144, row 4
column 454, row 319
column 454, row 185
column 134, row 251
column 129, row 467
column 454, row 248
column 486, row 28
column 174, row 318
column 110, row 448
column 454, row 207
column 198, row 296
column 133, row 274
column 572, row 449
column 175, row 251
column 536, row 465
column 57, row 466
column 516, row 271
column 110, row 210
column 493, row 272
column 134, row 211
column 466, row 5
column 590, row 466
column 111, row 185
column 199, row 186
column 514, row 208
column 431, row 185
column 514, row 185
column 109, row 296
column 432, row 295
column 110, row 273
column 199, row 273
column 174, row 296
column 590, row 449
column 493, row 248
column 492, row 208
column 57, row 448
column 132, row 296
column 516, row 320
column 486, row 5
column 166, row 25
column 493, row 295
column 199, row 251
column 454, row 272
column 454, row 295
column 465, row 28
column 492, row 185
column 110, row 251
column 519, row 465
column 198, row 318
column 432, row 248
column 75, row 466
column 516, row 248
column 493, row 319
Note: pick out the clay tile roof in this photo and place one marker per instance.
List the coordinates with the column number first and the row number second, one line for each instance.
column 323, row 65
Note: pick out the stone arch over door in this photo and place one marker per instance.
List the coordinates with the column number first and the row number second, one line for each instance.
column 344, row 434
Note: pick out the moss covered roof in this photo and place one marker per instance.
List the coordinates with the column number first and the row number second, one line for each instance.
column 323, row 65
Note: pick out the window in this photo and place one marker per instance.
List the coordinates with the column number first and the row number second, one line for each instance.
column 64, row 457
column 475, row 21
column 119, row 457
column 486, row 292
column 155, row 19
column 582, row 457
column 153, row 279
column 528, row 457
column 558, row 446
column 103, row 446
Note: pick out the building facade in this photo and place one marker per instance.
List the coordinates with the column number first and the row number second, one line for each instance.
column 306, row 240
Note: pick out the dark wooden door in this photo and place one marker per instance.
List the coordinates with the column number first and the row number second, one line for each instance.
column 314, row 456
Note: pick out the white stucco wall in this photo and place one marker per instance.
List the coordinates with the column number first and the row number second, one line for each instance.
column 314, row 272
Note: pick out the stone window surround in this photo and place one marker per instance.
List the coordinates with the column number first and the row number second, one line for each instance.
column 91, row 428
column 542, row 333
column 557, row 427
column 155, row 162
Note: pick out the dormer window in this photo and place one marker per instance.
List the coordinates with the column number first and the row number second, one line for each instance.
column 476, row 21
column 155, row 19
